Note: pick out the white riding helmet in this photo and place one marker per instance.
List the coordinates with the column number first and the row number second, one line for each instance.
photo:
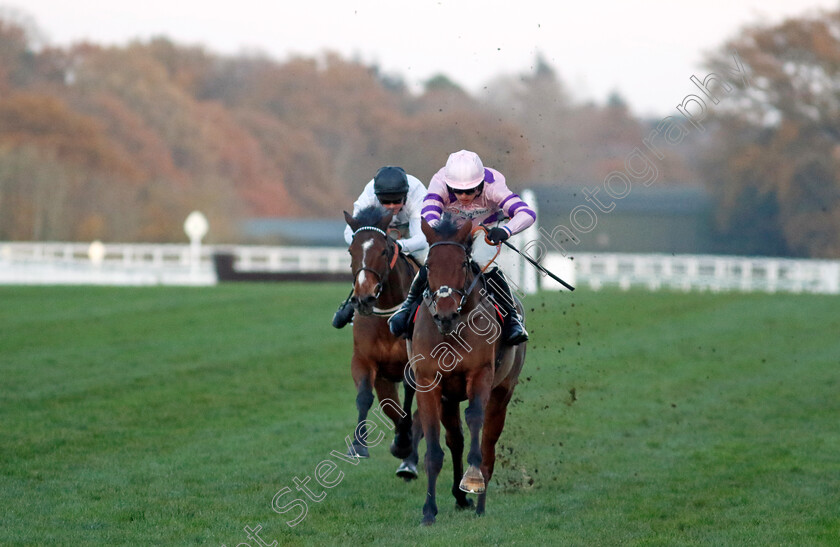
column 463, row 170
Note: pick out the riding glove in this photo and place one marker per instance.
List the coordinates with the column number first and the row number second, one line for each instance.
column 497, row 235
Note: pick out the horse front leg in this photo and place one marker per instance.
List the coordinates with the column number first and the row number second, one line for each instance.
column 494, row 423
column 410, row 431
column 402, row 447
column 408, row 468
column 428, row 404
column 455, row 442
column 478, row 391
column 362, row 376
column 389, row 404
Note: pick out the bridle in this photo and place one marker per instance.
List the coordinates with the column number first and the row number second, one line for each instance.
column 380, row 276
column 430, row 298
column 444, row 291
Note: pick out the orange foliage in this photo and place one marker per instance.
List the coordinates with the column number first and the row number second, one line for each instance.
column 126, row 141
column 773, row 162
column 47, row 122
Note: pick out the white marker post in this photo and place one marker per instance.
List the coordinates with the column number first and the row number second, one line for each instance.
column 195, row 227
column 96, row 253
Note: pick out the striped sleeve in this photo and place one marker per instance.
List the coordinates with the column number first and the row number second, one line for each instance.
column 432, row 207
column 513, row 204
column 520, row 214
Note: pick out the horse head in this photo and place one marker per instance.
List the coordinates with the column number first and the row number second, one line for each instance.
column 372, row 255
column 448, row 265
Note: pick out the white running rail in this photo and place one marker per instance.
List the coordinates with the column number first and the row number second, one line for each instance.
column 700, row 272
column 161, row 264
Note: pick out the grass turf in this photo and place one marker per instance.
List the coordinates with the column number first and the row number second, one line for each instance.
column 173, row 416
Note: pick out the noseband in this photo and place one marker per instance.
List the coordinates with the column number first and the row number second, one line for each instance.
column 381, row 277
column 444, row 291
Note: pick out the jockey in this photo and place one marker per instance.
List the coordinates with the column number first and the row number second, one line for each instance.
column 467, row 190
column 402, row 195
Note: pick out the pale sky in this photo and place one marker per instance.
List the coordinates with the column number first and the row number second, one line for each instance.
column 647, row 50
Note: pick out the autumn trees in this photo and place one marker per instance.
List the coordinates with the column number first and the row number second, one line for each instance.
column 121, row 143
column 774, row 164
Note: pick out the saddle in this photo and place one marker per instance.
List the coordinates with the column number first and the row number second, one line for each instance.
column 412, row 260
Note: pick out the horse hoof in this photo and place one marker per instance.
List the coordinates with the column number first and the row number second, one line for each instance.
column 428, row 521
column 473, row 481
column 468, row 504
column 401, row 451
column 407, row 471
column 358, row 451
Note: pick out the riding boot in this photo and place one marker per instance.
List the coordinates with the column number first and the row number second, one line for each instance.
column 513, row 331
column 400, row 322
column 343, row 315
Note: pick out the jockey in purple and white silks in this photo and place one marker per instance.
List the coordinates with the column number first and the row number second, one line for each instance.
column 487, row 202
column 466, row 189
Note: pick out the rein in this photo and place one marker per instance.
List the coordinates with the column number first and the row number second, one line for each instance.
column 487, row 241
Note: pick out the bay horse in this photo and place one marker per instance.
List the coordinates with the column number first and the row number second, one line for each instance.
column 457, row 355
column 381, row 278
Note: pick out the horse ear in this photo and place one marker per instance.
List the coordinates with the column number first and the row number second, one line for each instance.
column 428, row 231
column 464, row 232
column 385, row 222
column 351, row 221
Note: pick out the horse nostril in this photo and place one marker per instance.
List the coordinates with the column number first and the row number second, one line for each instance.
column 369, row 299
column 354, row 300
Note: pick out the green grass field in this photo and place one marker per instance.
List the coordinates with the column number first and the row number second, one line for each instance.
column 172, row 416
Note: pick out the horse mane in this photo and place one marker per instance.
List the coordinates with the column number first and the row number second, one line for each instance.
column 447, row 226
column 371, row 215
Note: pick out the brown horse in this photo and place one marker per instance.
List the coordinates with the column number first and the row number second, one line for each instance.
column 381, row 278
column 457, row 355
